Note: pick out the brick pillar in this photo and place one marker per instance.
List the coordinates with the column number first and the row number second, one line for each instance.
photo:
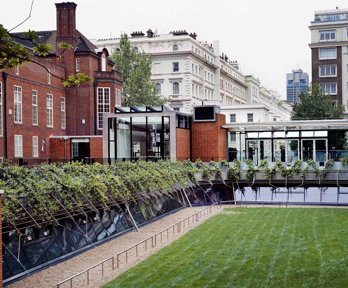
column 209, row 140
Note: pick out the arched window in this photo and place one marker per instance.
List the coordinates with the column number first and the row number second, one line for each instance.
column 158, row 89
column 175, row 47
column 176, row 88
column 103, row 62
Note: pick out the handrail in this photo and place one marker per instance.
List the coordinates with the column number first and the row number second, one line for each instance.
column 116, row 258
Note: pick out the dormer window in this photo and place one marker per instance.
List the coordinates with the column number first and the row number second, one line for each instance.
column 103, row 62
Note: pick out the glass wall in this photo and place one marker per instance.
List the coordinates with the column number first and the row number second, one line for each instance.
column 123, row 138
column 236, row 146
column 288, row 146
column 140, row 137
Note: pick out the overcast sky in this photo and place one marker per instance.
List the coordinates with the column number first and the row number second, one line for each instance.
column 268, row 38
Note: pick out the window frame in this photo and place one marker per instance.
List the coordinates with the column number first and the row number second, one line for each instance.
column 327, row 57
column 77, row 64
column 118, row 96
column 233, row 137
column 35, row 143
column 326, row 85
column 49, row 110
column 326, row 33
column 327, row 67
column 103, row 62
column 34, row 108
column 233, row 116
column 176, row 67
column 250, row 117
column 158, row 88
column 102, row 105
column 18, row 104
column 176, row 88
column 62, row 113
column 18, row 146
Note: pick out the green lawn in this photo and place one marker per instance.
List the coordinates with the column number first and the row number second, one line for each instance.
column 253, row 247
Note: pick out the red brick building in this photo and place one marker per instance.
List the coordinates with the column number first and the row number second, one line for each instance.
column 40, row 119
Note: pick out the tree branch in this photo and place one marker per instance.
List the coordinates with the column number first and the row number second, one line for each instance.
column 31, row 8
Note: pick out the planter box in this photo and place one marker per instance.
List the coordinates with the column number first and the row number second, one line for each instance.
column 311, row 176
column 332, row 175
column 261, row 175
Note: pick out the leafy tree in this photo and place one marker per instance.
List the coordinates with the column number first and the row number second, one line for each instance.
column 315, row 104
column 13, row 54
column 138, row 89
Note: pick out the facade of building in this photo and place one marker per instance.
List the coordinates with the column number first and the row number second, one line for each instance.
column 191, row 72
column 288, row 141
column 40, row 119
column 296, row 83
column 212, row 134
column 329, row 45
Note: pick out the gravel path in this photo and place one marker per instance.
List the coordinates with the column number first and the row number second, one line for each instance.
column 54, row 274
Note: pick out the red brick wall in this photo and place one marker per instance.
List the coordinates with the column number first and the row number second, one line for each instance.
column 96, row 147
column 28, row 83
column 182, row 144
column 60, row 148
column 81, row 101
column 209, row 140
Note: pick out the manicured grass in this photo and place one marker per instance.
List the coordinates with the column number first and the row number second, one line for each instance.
column 253, row 247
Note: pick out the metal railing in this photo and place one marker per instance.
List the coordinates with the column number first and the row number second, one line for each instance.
column 148, row 243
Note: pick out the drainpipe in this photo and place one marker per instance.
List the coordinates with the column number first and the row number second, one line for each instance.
column 4, row 101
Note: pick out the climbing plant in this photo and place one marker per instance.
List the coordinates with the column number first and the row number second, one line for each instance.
column 43, row 191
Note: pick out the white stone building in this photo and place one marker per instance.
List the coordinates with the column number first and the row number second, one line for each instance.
column 191, row 72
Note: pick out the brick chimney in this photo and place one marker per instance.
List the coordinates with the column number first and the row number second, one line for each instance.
column 66, row 33
column 66, row 20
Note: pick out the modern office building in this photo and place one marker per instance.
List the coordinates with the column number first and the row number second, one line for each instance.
column 296, row 83
column 329, row 45
column 191, row 72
